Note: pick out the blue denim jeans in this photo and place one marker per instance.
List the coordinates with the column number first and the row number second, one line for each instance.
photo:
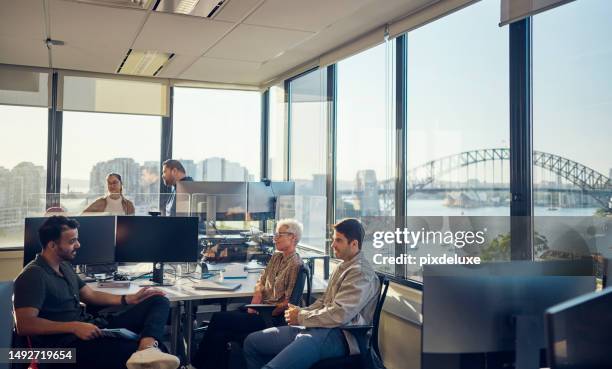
column 291, row 347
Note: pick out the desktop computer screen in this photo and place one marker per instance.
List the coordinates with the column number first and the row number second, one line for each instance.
column 224, row 201
column 96, row 236
column 157, row 239
column 480, row 309
column 579, row 332
column 262, row 198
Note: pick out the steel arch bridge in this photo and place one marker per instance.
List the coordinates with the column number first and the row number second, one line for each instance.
column 587, row 179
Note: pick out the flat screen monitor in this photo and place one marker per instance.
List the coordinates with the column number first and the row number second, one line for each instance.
column 96, row 236
column 477, row 309
column 579, row 332
column 157, row 239
column 226, row 200
column 262, row 198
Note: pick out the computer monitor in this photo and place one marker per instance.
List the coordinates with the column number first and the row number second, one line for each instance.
column 96, row 236
column 212, row 200
column 157, row 239
column 494, row 308
column 579, row 332
column 262, row 196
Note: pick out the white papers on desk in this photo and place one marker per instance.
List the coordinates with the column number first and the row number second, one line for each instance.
column 216, row 286
column 234, row 270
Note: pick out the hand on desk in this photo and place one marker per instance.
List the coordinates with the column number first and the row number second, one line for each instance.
column 143, row 294
column 291, row 314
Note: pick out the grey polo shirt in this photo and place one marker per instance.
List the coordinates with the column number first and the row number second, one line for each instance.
column 55, row 296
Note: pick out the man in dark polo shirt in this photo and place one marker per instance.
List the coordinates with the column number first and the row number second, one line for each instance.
column 47, row 305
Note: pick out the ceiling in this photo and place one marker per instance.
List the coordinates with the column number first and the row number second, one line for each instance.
column 247, row 42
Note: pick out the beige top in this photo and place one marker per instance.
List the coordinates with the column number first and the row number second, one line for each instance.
column 278, row 279
column 350, row 299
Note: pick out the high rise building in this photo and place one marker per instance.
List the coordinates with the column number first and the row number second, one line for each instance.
column 366, row 188
column 126, row 167
column 26, row 184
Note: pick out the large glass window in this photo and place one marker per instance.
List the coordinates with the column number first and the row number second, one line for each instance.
column 277, row 142
column 572, row 108
column 365, row 152
column 307, row 155
column 458, row 130
column 217, row 133
column 96, row 144
column 23, row 176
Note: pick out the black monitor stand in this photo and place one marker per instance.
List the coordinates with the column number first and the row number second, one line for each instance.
column 158, row 275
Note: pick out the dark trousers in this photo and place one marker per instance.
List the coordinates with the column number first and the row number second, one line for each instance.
column 224, row 327
column 147, row 318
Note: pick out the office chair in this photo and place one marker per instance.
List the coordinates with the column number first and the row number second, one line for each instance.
column 360, row 332
column 303, row 277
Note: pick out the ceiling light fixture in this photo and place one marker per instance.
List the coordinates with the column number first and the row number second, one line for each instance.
column 144, row 63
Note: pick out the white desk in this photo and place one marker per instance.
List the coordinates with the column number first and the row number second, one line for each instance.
column 183, row 293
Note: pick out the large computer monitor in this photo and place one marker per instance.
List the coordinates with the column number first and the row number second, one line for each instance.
column 157, row 239
column 262, row 198
column 579, row 332
column 212, row 200
column 96, row 236
column 494, row 309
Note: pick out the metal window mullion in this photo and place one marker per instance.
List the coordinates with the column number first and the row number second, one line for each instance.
column 54, row 147
column 401, row 123
column 287, row 93
column 521, row 141
column 167, row 129
column 265, row 134
column 331, row 92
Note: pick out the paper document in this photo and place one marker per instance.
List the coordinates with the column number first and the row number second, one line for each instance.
column 216, row 286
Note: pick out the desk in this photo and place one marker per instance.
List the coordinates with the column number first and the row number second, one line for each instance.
column 183, row 292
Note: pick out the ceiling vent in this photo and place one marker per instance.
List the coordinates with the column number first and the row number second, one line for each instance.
column 144, row 63
column 197, row 8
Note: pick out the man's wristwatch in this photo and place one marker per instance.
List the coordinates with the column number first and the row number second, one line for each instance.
column 124, row 300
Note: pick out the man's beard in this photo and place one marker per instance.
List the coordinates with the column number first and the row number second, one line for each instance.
column 68, row 256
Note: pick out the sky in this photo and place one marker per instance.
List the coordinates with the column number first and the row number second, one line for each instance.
column 457, row 101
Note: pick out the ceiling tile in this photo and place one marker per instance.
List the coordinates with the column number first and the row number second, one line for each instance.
column 177, row 65
column 311, row 15
column 220, row 70
column 21, row 51
column 235, row 10
column 179, row 34
column 91, row 41
column 255, row 43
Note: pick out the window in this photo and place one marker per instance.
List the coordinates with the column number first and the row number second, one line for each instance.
column 572, row 106
column 217, row 133
column 458, row 130
column 95, row 144
column 277, row 142
column 23, row 176
column 307, row 156
column 365, row 151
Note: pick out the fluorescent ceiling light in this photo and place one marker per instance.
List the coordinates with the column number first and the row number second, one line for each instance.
column 198, row 8
column 144, row 63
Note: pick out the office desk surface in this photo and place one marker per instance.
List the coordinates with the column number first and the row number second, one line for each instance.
column 183, row 288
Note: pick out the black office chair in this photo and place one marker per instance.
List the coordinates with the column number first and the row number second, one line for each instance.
column 363, row 360
column 265, row 310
